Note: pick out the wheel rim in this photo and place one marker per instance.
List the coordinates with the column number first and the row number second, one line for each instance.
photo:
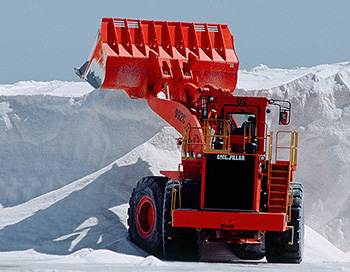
column 145, row 216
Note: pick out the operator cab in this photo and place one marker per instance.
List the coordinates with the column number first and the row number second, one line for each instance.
column 242, row 124
column 247, row 123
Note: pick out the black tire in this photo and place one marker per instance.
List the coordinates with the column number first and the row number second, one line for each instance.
column 277, row 248
column 248, row 251
column 183, row 244
column 145, row 214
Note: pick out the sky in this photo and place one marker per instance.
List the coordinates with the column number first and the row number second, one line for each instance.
column 44, row 40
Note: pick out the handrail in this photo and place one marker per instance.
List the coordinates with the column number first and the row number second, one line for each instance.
column 293, row 147
column 208, row 138
column 269, row 160
column 207, row 143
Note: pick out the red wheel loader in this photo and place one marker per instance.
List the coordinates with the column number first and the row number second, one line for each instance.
column 235, row 182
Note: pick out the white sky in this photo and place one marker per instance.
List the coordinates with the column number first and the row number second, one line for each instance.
column 45, row 39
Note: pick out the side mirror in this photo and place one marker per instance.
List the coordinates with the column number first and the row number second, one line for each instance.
column 284, row 110
column 283, row 118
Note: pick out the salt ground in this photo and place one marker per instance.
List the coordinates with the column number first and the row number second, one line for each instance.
column 71, row 156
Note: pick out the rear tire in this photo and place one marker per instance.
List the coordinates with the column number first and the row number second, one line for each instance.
column 277, row 248
column 184, row 244
column 145, row 214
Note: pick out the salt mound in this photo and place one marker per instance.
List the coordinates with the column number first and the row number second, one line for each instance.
column 318, row 249
column 89, row 212
column 49, row 141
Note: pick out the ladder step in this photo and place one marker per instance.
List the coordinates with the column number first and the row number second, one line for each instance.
column 280, row 178
column 276, row 209
column 279, row 174
column 280, row 166
column 280, row 170
column 278, row 195
column 274, row 185
column 278, row 188
column 278, row 202
column 279, row 185
column 277, row 198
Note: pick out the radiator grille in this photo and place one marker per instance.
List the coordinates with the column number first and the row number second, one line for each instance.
column 229, row 182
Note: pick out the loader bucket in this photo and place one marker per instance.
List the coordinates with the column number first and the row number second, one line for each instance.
column 141, row 55
column 93, row 70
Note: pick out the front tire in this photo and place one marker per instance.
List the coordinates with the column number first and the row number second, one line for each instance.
column 183, row 244
column 145, row 214
column 277, row 248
